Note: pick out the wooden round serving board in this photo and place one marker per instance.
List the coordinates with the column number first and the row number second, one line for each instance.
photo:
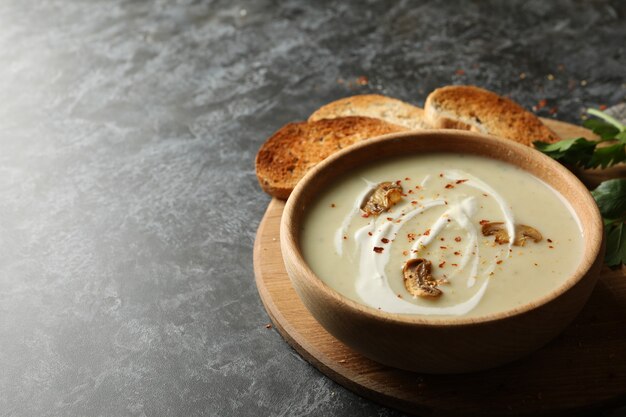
column 583, row 369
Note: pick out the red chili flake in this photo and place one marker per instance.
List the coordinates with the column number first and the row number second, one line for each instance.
column 461, row 181
column 553, row 110
column 362, row 80
column 414, row 202
column 378, row 249
column 390, row 218
column 410, row 192
column 384, row 240
column 551, row 247
column 499, row 262
column 427, row 232
column 457, row 239
column 542, row 103
column 459, row 72
column 407, row 179
column 369, row 233
column 449, row 186
column 602, row 106
column 441, row 265
column 417, row 187
column 454, row 264
column 457, row 253
column 366, row 215
column 549, row 240
column 443, row 247
column 345, row 238
column 411, row 237
column 333, row 205
column 398, row 182
column 483, row 222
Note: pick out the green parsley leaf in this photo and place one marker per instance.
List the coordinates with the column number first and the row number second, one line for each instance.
column 584, row 153
column 577, row 151
column 607, row 118
column 605, row 130
column 610, row 196
column 615, row 245
column 611, row 199
column 608, row 155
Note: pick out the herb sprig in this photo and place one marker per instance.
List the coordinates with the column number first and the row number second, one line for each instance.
column 611, row 199
column 607, row 151
column 610, row 195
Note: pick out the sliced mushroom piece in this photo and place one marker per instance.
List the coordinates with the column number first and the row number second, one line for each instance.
column 497, row 229
column 522, row 233
column 381, row 198
column 418, row 279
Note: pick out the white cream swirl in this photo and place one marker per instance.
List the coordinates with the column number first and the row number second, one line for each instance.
column 372, row 283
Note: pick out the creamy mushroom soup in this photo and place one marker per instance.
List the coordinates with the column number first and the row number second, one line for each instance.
column 443, row 235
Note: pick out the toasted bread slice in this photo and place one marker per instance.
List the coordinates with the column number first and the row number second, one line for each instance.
column 294, row 149
column 376, row 106
column 472, row 108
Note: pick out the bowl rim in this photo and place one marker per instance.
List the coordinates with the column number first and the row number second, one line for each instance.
column 290, row 245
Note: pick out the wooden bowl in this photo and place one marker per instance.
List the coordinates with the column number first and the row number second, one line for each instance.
column 452, row 345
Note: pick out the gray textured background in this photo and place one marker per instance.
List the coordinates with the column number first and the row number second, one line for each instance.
column 128, row 199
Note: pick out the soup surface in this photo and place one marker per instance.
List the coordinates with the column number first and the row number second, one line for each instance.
column 455, row 214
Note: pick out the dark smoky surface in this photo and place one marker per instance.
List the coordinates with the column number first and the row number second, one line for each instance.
column 129, row 202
